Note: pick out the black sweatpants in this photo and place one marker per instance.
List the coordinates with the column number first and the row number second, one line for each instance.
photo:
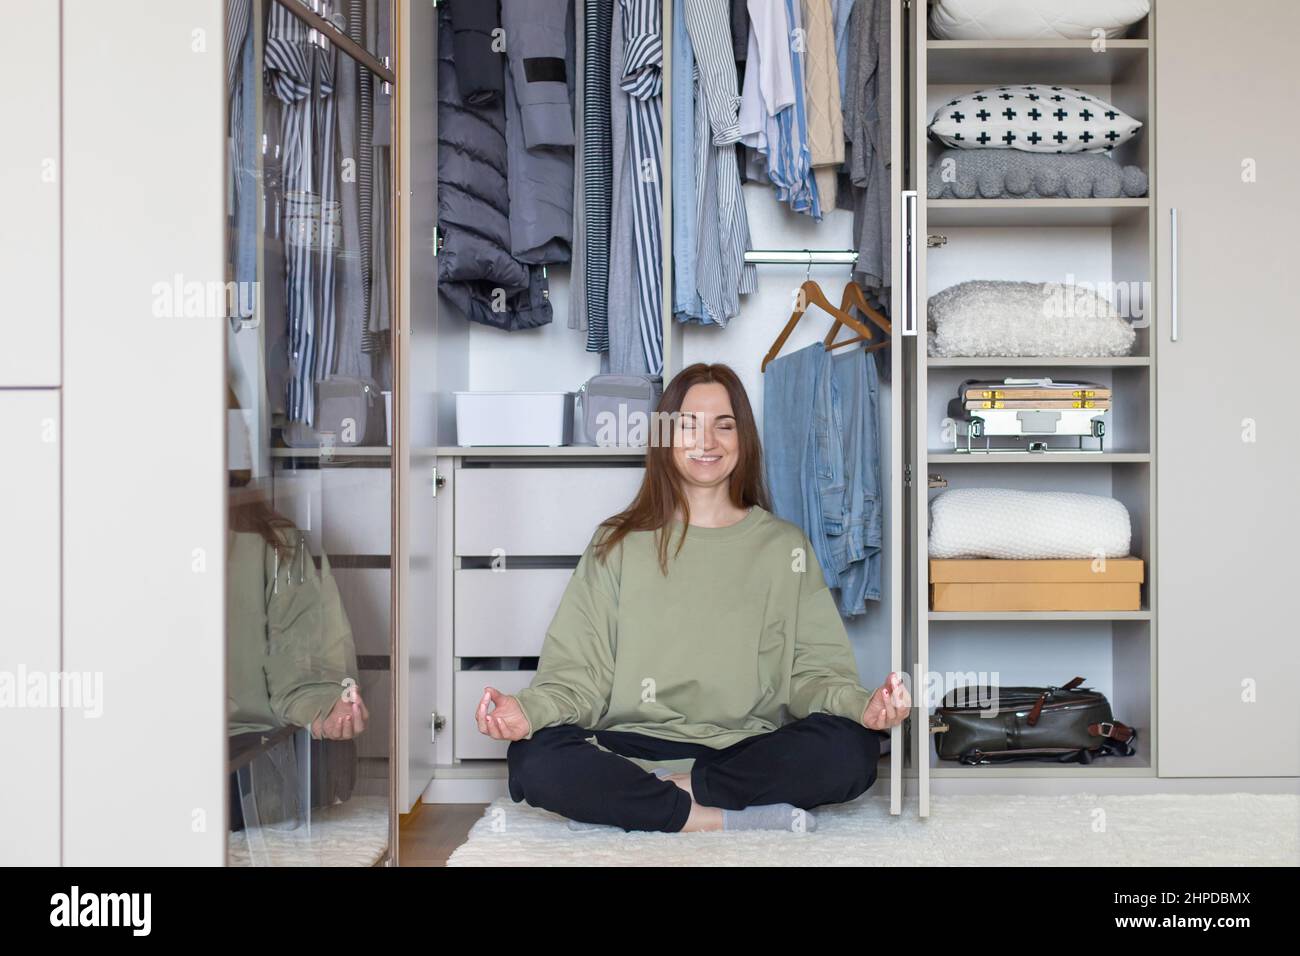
column 820, row 759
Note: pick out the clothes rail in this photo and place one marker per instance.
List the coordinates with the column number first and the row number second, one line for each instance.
column 331, row 33
column 810, row 256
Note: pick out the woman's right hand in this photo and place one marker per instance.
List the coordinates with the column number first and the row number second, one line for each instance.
column 507, row 721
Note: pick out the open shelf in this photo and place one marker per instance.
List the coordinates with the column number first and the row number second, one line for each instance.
column 1018, row 361
column 338, row 451
column 1047, row 213
column 1039, row 458
column 1143, row 615
column 1013, row 62
column 536, row 451
column 1135, row 766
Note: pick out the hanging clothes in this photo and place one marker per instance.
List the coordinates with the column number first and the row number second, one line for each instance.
column 774, row 118
column 769, row 77
column 597, row 166
column 625, row 354
column 379, row 305
column 797, row 186
column 474, row 26
column 867, row 120
column 476, row 272
column 539, row 128
column 721, row 222
column 821, row 458
column 642, row 80
column 821, row 79
column 300, row 70
column 842, row 10
column 686, row 298
column 578, row 260
column 242, row 88
column 351, row 360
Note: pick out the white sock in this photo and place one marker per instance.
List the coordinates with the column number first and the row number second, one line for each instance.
column 770, row 816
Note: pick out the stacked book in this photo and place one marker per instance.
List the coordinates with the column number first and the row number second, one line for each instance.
column 1029, row 408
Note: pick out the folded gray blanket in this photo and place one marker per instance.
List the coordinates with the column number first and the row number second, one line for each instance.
column 1014, row 174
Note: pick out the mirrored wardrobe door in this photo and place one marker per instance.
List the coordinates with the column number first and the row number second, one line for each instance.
column 310, row 539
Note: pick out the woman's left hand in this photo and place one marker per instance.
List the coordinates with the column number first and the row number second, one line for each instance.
column 889, row 705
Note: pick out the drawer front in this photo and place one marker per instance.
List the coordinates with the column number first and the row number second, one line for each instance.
column 343, row 510
column 537, row 511
column 469, row 743
column 506, row 613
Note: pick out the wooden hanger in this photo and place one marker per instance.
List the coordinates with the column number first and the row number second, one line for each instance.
column 811, row 294
column 853, row 297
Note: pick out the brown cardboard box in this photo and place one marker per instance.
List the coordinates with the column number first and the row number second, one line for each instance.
column 1062, row 585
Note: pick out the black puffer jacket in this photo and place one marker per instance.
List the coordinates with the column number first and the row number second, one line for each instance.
column 476, row 272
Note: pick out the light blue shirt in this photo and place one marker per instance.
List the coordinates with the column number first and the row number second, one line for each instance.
column 686, row 299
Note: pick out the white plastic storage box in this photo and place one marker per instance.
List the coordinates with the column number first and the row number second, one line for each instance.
column 514, row 418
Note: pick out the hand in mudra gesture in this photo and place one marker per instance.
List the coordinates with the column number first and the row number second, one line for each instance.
column 507, row 720
column 346, row 719
column 889, row 705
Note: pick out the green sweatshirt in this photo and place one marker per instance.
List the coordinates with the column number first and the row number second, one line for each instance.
column 741, row 637
column 288, row 642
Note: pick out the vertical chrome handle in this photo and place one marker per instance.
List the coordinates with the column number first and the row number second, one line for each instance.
column 1173, row 274
column 910, row 262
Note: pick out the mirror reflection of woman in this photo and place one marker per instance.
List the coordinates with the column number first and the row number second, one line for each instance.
column 291, row 661
column 697, row 674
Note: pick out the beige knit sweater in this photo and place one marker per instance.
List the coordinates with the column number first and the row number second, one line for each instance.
column 822, row 97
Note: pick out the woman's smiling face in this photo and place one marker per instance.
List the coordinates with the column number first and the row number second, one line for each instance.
column 706, row 444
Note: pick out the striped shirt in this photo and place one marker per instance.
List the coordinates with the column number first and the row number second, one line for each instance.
column 795, row 184
column 301, row 75
column 722, row 226
column 597, row 163
column 643, row 82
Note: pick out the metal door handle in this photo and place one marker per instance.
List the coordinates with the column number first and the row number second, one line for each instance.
column 909, row 280
column 1173, row 274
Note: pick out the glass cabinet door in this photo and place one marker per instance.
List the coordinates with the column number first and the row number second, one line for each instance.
column 310, row 540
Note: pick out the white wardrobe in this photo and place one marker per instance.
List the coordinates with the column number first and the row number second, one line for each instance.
column 114, row 477
column 1197, row 456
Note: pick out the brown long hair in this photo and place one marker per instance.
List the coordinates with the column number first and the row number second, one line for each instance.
column 661, row 494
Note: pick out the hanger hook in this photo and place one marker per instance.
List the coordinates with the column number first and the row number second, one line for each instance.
column 807, row 276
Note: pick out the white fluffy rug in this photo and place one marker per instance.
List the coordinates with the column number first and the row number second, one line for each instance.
column 354, row 833
column 1233, row 829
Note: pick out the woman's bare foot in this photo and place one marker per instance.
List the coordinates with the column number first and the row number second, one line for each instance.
column 701, row 818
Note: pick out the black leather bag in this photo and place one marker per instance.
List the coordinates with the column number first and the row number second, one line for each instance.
column 980, row 724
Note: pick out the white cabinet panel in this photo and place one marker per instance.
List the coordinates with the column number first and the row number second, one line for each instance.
column 29, row 651
column 537, row 511
column 30, row 183
column 506, row 613
column 1227, row 519
column 144, row 600
column 469, row 743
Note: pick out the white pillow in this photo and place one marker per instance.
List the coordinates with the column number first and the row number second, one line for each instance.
column 1027, row 525
column 997, row 318
column 1035, row 118
column 1033, row 19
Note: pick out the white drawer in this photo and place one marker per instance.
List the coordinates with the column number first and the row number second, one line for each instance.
column 469, row 743
column 368, row 605
column 528, row 511
column 345, row 510
column 506, row 613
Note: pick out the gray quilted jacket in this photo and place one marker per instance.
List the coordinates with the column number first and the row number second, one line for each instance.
column 476, row 271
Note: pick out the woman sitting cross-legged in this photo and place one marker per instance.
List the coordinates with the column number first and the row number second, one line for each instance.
column 696, row 628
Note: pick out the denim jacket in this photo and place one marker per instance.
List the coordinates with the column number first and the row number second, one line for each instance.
column 822, row 463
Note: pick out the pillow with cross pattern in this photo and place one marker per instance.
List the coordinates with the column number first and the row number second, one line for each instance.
column 1033, row 118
